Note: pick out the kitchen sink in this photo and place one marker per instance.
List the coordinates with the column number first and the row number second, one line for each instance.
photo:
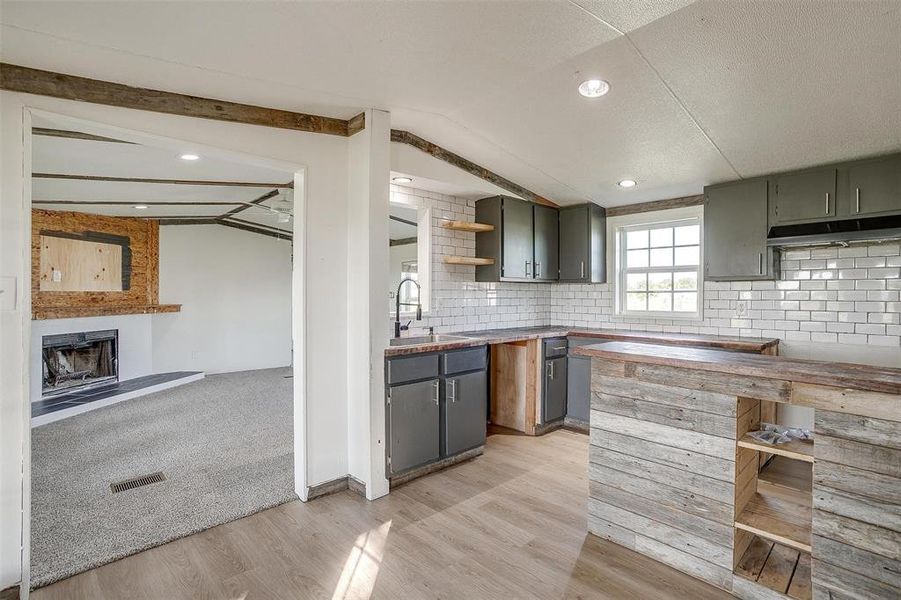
column 427, row 339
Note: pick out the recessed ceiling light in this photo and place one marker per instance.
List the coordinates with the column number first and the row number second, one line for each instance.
column 189, row 157
column 402, row 179
column 140, row 206
column 594, row 88
column 626, row 183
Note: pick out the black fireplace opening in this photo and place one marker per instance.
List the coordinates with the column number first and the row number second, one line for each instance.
column 79, row 360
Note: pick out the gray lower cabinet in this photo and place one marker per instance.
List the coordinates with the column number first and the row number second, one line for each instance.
column 875, row 187
column 553, row 392
column 545, row 266
column 735, row 232
column 465, row 406
column 583, row 245
column 413, row 421
column 578, row 388
column 805, row 196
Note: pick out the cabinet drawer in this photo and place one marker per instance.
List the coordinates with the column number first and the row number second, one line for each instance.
column 474, row 359
column 412, row 368
column 555, row 347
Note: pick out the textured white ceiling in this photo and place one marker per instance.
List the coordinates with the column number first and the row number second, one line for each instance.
column 702, row 92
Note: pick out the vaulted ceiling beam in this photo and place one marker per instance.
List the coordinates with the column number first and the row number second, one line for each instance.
column 254, row 184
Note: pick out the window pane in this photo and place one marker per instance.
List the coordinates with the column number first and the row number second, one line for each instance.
column 661, row 257
column 685, row 301
column 662, row 301
column 636, row 301
column 636, row 258
column 661, row 237
column 636, row 281
column 689, row 255
column 690, row 234
column 660, row 281
column 686, row 280
column 637, row 239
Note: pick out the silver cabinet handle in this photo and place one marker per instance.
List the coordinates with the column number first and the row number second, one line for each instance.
column 437, row 392
column 452, row 390
column 537, row 269
column 559, row 348
column 827, row 203
column 582, row 269
column 549, row 369
column 857, row 196
column 760, row 263
column 528, row 270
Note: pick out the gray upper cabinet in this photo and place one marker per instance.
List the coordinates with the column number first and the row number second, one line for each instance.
column 735, row 231
column 524, row 234
column 583, row 231
column 805, row 196
column 875, row 187
column 414, row 424
column 545, row 266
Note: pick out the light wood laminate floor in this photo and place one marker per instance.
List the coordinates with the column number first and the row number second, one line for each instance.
column 509, row 524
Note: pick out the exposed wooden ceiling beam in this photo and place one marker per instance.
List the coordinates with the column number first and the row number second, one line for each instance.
column 255, row 201
column 405, row 137
column 289, row 185
column 75, row 135
column 261, row 225
column 402, row 241
column 118, row 203
column 16, row 78
column 252, row 229
column 631, row 209
column 279, row 234
column 404, row 221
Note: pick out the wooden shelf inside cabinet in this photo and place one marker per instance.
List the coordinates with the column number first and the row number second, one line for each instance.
column 775, row 567
column 467, row 226
column 796, row 449
column 467, row 260
column 785, row 472
column 779, row 514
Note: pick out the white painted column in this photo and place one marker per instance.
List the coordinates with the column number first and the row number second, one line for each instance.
column 369, row 164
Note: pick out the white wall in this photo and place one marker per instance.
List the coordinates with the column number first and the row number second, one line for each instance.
column 135, row 343
column 322, row 455
column 235, row 290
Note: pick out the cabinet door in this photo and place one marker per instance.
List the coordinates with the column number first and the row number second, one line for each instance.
column 554, row 405
column 574, row 244
column 413, row 418
column 735, row 230
column 807, row 196
column 465, row 407
column 578, row 387
column 876, row 187
column 546, row 249
column 517, row 239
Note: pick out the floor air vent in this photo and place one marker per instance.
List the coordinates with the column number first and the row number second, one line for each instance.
column 136, row 482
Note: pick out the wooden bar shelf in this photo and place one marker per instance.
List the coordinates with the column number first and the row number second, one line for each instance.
column 467, row 260
column 796, row 449
column 467, row 226
column 779, row 514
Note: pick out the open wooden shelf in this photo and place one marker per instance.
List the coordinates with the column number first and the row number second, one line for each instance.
column 778, row 568
column 795, row 449
column 467, row 260
column 780, row 514
column 785, row 472
column 467, row 226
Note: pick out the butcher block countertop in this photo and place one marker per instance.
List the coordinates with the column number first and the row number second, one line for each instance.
column 842, row 375
column 505, row 336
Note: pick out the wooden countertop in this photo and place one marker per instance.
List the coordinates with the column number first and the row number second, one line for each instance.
column 843, row 375
column 518, row 334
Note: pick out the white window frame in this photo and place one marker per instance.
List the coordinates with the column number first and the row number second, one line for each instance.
column 621, row 271
column 423, row 250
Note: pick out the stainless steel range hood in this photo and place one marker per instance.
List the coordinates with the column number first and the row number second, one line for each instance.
column 836, row 232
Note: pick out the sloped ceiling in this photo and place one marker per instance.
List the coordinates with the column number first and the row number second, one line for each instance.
column 702, row 92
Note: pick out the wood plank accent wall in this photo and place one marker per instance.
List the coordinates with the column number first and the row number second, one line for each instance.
column 16, row 78
column 144, row 243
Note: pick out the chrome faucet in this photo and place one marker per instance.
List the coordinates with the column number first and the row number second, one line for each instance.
column 397, row 304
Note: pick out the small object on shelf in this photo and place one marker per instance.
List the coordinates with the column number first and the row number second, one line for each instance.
column 467, row 226
column 467, row 260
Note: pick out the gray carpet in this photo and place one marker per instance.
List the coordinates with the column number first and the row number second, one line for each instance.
column 224, row 444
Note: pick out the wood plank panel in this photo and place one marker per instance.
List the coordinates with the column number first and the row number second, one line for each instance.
column 843, row 583
column 669, row 203
column 800, row 585
column 709, row 402
column 686, row 460
column 884, row 513
column 865, row 536
column 869, row 430
column 875, row 404
column 681, row 500
column 872, row 565
column 884, row 489
column 752, row 561
column 779, row 515
column 880, row 459
column 678, row 438
column 664, row 414
column 795, row 449
column 779, row 567
column 684, row 480
column 710, row 381
column 751, row 590
column 508, row 381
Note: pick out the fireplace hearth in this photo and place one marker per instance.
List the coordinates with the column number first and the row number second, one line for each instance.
column 79, row 360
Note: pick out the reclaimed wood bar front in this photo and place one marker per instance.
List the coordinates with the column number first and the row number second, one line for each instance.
column 673, row 475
